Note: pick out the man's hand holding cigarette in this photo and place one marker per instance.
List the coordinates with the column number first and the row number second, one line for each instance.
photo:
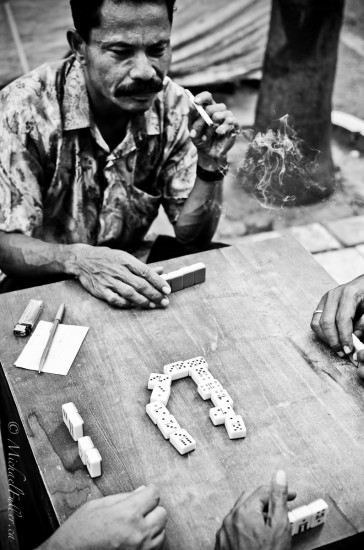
column 212, row 141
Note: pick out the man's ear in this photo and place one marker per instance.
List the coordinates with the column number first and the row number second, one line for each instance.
column 77, row 45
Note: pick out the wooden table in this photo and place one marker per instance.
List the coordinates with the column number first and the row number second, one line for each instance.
column 302, row 405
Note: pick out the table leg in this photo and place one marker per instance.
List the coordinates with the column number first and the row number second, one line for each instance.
column 30, row 508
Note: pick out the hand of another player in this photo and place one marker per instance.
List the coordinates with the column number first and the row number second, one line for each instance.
column 245, row 527
column 128, row 521
column 213, row 142
column 342, row 311
column 117, row 277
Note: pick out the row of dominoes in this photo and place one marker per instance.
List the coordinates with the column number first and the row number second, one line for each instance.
column 170, row 428
column 208, row 387
column 186, row 276
column 89, row 455
column 307, row 517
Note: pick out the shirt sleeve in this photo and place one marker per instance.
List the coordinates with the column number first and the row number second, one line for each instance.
column 21, row 172
column 179, row 169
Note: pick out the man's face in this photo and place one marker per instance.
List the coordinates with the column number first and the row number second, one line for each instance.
column 128, row 56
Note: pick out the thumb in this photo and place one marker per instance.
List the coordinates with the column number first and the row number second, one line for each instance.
column 279, row 494
column 359, row 327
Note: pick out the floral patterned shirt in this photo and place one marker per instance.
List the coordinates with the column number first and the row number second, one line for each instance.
column 60, row 182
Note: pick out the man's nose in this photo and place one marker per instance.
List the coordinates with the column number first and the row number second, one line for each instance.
column 142, row 68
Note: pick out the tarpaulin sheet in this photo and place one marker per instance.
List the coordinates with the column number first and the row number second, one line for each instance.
column 213, row 40
column 219, row 40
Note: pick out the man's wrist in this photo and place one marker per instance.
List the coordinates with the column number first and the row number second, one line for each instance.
column 211, row 169
column 209, row 175
column 67, row 258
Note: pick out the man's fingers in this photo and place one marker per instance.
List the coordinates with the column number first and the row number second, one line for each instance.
column 260, row 497
column 158, row 269
column 200, row 131
column 145, row 272
column 279, row 494
column 222, row 542
column 128, row 292
column 156, row 521
column 146, row 290
column 328, row 321
column 257, row 499
column 145, row 499
column 359, row 327
column 345, row 316
column 157, row 541
column 204, row 98
column 360, row 356
column 360, row 372
column 316, row 316
column 108, row 296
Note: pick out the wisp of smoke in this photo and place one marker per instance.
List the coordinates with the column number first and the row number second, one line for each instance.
column 277, row 168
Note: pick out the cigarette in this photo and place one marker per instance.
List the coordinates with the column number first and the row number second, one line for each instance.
column 200, row 109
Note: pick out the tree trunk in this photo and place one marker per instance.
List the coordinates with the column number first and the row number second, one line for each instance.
column 298, row 78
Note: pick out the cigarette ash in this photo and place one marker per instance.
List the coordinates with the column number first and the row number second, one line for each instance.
column 279, row 168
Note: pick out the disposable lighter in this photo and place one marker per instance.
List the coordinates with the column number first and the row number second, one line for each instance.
column 29, row 318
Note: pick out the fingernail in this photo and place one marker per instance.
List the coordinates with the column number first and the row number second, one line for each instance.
column 204, row 138
column 281, row 478
column 165, row 302
column 193, row 133
column 355, row 357
column 152, row 305
column 166, row 290
column 347, row 350
column 340, row 353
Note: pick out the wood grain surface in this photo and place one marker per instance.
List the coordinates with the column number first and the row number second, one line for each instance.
column 302, row 405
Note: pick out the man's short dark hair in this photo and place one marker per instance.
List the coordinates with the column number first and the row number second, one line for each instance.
column 86, row 13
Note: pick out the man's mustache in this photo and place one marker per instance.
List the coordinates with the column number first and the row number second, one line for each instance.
column 150, row 87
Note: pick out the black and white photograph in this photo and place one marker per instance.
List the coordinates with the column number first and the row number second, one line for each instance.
column 181, row 274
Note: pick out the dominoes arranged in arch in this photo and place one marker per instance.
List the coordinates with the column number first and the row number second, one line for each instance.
column 208, row 387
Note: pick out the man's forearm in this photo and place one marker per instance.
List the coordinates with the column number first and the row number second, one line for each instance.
column 23, row 256
column 200, row 215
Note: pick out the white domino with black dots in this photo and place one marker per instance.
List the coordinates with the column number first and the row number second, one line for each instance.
column 73, row 420
column 309, row 516
column 89, row 455
column 208, row 387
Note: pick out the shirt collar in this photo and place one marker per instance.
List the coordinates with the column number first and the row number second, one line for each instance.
column 76, row 105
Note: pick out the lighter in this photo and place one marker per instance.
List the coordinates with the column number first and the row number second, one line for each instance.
column 29, row 318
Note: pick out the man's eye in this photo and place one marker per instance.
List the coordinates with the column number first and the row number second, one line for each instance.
column 121, row 53
column 156, row 51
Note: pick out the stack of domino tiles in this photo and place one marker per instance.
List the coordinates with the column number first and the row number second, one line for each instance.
column 308, row 517
column 208, row 387
column 186, row 276
column 89, row 455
